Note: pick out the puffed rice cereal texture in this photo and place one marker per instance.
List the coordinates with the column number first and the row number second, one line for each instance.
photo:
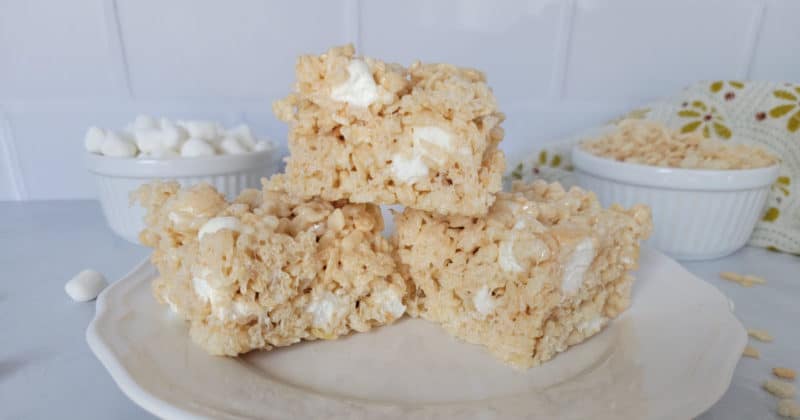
column 652, row 143
column 372, row 132
column 268, row 269
column 544, row 270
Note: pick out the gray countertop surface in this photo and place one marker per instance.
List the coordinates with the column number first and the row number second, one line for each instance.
column 48, row 371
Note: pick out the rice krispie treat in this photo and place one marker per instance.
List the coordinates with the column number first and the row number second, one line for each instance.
column 268, row 269
column 652, row 143
column 371, row 132
column 544, row 270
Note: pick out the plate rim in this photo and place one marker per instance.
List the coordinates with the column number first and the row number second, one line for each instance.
column 124, row 380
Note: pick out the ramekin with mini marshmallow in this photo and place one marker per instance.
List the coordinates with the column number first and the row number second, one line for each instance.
column 164, row 139
column 189, row 152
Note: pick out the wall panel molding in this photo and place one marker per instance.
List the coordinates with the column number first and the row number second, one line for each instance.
column 116, row 48
column 11, row 159
column 753, row 35
column 563, row 45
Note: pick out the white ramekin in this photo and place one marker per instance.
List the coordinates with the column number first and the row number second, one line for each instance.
column 697, row 214
column 117, row 177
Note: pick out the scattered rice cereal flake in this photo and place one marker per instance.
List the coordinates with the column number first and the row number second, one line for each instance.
column 778, row 388
column 751, row 351
column 754, row 279
column 747, row 280
column 789, row 408
column 784, row 373
column 760, row 335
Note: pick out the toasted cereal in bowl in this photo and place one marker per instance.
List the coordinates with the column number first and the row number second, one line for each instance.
column 706, row 194
column 651, row 143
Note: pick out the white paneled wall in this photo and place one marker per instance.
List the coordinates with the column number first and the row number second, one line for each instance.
column 512, row 41
column 655, row 47
column 557, row 66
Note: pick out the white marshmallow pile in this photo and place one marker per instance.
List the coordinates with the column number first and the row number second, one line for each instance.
column 85, row 286
column 163, row 139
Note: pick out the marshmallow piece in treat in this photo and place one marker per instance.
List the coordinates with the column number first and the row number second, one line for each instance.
column 203, row 130
column 95, row 137
column 232, row 146
column 244, row 135
column 116, row 145
column 85, row 286
column 144, row 122
column 195, row 147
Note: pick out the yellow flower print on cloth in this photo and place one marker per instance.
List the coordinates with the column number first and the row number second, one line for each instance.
column 792, row 107
column 545, row 160
column 782, row 185
column 704, row 118
column 719, row 85
column 781, row 188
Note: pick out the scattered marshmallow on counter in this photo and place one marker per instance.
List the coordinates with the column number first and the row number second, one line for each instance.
column 85, row 286
column 149, row 138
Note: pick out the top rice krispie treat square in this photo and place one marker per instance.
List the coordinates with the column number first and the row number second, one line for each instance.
column 360, row 129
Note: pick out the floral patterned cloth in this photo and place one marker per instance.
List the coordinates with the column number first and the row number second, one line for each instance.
column 762, row 113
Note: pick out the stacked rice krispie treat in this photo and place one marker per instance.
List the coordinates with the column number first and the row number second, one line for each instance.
column 543, row 270
column 371, row 132
column 527, row 273
column 269, row 269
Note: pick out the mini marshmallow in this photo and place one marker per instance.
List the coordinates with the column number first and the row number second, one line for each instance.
column 144, row 122
column 220, row 133
column 203, row 130
column 164, row 122
column 162, row 138
column 85, row 286
column 195, row 147
column 173, row 137
column 126, row 135
column 116, row 145
column 149, row 140
column 95, row 137
column 244, row 135
column 232, row 146
column 262, row 145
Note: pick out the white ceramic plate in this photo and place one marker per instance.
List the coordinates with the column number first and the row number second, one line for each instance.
column 671, row 355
